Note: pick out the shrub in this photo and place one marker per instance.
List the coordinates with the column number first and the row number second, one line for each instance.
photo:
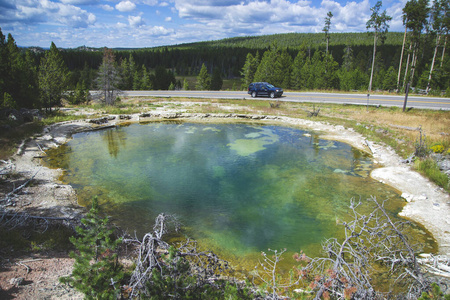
column 437, row 148
column 430, row 168
column 420, row 145
column 96, row 271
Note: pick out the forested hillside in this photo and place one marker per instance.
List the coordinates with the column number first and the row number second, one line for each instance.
column 230, row 54
column 346, row 66
column 292, row 61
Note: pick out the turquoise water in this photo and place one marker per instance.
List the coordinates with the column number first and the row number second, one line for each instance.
column 237, row 188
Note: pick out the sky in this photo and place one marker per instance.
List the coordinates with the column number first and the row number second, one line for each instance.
column 150, row 23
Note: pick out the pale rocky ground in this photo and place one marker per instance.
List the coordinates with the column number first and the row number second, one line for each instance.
column 37, row 277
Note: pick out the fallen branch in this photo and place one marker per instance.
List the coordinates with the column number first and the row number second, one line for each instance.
column 12, row 220
column 370, row 147
column 24, row 265
column 11, row 195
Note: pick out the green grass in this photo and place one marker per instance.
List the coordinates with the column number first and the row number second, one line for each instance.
column 429, row 168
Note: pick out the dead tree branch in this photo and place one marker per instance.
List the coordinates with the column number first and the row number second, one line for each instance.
column 270, row 276
column 155, row 256
column 369, row 240
column 7, row 201
column 6, row 168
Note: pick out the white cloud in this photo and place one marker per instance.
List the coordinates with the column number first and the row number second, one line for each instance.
column 48, row 12
column 135, row 21
column 124, row 6
column 106, row 7
column 254, row 17
column 80, row 2
column 202, row 19
column 121, row 25
column 150, row 2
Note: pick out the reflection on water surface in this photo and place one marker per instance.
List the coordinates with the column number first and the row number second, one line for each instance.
column 237, row 188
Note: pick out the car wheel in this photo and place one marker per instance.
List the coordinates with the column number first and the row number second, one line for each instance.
column 253, row 94
column 272, row 95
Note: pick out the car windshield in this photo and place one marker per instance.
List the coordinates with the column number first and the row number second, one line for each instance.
column 270, row 86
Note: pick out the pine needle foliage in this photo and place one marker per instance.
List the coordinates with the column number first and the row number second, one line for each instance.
column 96, row 271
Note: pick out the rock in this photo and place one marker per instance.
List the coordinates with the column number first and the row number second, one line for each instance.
column 99, row 121
column 407, row 197
column 16, row 281
column 422, row 197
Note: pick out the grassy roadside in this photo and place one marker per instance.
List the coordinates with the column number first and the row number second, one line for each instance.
column 383, row 124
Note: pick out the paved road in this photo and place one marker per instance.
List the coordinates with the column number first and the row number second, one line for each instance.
column 359, row 99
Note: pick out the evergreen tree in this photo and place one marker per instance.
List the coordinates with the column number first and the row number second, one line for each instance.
column 440, row 16
column 249, row 69
column 185, row 85
column 108, row 77
column 163, row 78
column 415, row 18
column 127, row 68
column 96, row 271
column 347, row 58
column 390, row 79
column 4, row 59
column 327, row 27
column 379, row 22
column 203, row 79
column 137, row 80
column 29, row 82
column 284, row 70
column 331, row 79
column 268, row 69
column 145, row 81
column 298, row 80
column 53, row 76
column 216, row 80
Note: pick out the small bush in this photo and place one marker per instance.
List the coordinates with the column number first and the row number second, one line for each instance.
column 96, row 271
column 420, row 145
column 430, row 168
column 437, row 148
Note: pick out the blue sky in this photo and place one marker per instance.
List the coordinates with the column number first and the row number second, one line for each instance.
column 149, row 23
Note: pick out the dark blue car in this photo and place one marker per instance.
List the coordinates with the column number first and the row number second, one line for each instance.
column 264, row 89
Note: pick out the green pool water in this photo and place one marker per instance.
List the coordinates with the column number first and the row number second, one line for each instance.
column 238, row 189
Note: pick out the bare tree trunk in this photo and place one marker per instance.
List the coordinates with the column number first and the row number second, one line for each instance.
column 443, row 51
column 438, row 39
column 407, row 66
column 400, row 63
column 373, row 60
column 413, row 65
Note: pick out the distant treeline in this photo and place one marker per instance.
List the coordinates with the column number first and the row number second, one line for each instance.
column 293, row 60
column 230, row 54
column 351, row 51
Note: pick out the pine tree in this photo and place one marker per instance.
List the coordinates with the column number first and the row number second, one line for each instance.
column 96, row 271
column 268, row 69
column 249, row 69
column 53, row 78
column 327, row 27
column 203, row 79
column 4, row 68
column 185, row 85
column 108, row 77
column 285, row 69
column 216, row 80
column 145, row 80
column 379, row 22
column 415, row 16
